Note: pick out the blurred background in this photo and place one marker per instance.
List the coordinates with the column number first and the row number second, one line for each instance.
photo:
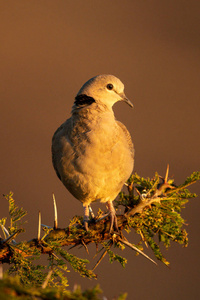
column 48, row 49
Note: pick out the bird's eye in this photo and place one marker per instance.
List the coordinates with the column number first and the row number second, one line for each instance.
column 109, row 86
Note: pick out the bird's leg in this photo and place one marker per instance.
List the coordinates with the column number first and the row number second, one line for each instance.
column 113, row 217
column 86, row 216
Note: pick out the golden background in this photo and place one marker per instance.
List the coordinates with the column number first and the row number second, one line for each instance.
column 48, row 49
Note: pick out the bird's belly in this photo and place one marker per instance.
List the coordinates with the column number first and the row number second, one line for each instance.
column 97, row 169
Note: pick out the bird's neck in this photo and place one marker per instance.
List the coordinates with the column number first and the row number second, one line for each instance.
column 93, row 115
column 95, row 109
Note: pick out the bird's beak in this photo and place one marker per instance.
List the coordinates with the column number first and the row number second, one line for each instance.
column 125, row 99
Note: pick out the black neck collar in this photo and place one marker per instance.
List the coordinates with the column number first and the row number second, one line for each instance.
column 83, row 100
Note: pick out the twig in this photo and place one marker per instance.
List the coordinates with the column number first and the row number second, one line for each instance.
column 142, row 204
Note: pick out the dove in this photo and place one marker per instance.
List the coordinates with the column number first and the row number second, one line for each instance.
column 92, row 152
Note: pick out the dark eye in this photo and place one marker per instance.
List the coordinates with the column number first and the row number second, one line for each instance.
column 109, row 86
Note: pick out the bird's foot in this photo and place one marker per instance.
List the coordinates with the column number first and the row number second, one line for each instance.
column 86, row 217
column 86, row 224
column 113, row 217
column 87, row 211
column 113, row 222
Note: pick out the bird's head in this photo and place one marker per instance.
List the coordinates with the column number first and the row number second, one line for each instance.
column 104, row 89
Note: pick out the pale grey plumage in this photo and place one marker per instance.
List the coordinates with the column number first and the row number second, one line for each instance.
column 92, row 152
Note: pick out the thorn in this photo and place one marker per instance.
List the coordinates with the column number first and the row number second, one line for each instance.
column 72, row 247
column 1, row 271
column 47, row 279
column 167, row 173
column 5, row 231
column 54, row 255
column 49, row 227
column 85, row 246
column 130, row 188
column 103, row 217
column 143, row 239
column 137, row 192
column 55, row 213
column 161, row 187
column 100, row 259
column 136, row 249
column 39, row 227
column 97, row 251
column 8, row 236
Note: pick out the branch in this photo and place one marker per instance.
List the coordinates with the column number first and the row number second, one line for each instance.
column 154, row 210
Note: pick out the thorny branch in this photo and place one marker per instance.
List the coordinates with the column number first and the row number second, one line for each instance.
column 156, row 198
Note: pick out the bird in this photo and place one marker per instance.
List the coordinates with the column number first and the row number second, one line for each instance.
column 92, row 152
